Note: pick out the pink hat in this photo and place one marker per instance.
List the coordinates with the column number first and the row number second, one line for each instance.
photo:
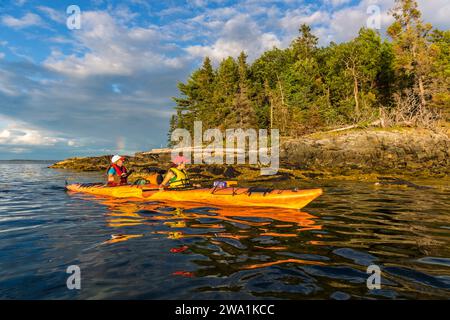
column 180, row 159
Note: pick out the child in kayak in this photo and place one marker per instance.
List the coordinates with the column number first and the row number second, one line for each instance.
column 117, row 173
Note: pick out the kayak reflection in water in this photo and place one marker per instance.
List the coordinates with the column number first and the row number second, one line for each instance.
column 176, row 176
column 117, row 173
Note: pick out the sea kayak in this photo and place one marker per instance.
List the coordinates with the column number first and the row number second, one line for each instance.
column 247, row 197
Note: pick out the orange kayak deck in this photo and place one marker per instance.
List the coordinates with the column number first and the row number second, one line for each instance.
column 246, row 197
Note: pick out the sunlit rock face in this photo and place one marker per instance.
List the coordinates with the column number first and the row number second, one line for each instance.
column 372, row 151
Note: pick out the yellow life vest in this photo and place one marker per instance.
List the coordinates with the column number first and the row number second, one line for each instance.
column 180, row 179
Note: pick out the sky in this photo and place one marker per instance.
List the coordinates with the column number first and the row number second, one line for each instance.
column 107, row 87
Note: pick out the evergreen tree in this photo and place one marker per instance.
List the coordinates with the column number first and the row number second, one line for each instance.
column 386, row 75
column 301, row 84
column 305, row 46
column 243, row 106
column 227, row 87
column 197, row 102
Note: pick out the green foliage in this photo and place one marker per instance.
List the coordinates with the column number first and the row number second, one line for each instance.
column 413, row 57
column 304, row 88
column 440, row 74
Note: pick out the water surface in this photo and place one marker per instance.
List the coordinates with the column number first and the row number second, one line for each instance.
column 148, row 250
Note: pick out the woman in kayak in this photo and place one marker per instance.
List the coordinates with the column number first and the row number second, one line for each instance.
column 117, row 173
column 177, row 176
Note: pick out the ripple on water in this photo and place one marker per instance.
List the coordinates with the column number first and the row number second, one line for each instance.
column 435, row 261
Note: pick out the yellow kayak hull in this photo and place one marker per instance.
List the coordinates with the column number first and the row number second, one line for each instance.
column 217, row 197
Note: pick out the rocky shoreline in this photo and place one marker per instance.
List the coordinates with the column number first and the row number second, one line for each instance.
column 357, row 154
column 399, row 151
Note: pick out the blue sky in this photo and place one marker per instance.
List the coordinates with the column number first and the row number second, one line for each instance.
column 107, row 87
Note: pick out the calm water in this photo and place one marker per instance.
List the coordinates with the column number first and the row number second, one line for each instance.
column 149, row 251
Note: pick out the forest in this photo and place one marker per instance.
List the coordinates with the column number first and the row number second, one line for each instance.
column 400, row 80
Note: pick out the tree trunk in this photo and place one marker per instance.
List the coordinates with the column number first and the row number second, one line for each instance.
column 283, row 107
column 356, row 93
column 422, row 92
column 269, row 95
column 271, row 113
column 328, row 97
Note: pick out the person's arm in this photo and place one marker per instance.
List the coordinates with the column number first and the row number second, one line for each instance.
column 111, row 179
column 168, row 176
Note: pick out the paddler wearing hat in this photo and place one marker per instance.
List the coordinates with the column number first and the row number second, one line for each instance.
column 117, row 173
column 176, row 176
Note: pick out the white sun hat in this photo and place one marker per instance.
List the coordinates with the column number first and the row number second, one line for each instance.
column 116, row 158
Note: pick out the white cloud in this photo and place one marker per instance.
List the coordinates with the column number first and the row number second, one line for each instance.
column 28, row 20
column 239, row 33
column 436, row 12
column 2, row 55
column 21, row 134
column 112, row 49
column 17, row 136
column 292, row 20
column 74, row 143
column 343, row 24
column 55, row 15
column 25, row 137
column 123, row 14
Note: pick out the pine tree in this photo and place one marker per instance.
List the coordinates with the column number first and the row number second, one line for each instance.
column 243, row 107
column 224, row 95
column 305, row 45
column 198, row 97
column 301, row 84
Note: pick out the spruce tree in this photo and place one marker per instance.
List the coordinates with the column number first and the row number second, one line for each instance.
column 242, row 105
column 224, row 95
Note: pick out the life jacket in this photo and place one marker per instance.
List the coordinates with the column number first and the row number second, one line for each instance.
column 119, row 171
column 180, row 179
